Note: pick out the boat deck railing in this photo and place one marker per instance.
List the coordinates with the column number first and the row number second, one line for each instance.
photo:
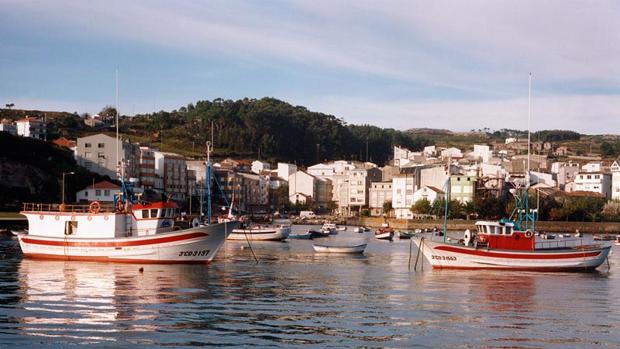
column 560, row 243
column 72, row 208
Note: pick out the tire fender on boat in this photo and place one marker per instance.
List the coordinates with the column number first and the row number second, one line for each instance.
column 528, row 234
column 57, row 217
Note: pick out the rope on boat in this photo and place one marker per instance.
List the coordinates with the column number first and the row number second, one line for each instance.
column 250, row 245
column 410, row 245
column 415, row 267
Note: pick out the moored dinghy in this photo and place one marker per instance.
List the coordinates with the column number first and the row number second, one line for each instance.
column 261, row 233
column 339, row 248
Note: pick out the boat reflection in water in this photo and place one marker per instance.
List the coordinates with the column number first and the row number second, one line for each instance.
column 91, row 301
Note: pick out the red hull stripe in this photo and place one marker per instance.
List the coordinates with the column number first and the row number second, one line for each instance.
column 540, row 269
column 141, row 242
column 111, row 260
column 552, row 255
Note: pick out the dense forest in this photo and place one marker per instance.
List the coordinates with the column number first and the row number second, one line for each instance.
column 273, row 130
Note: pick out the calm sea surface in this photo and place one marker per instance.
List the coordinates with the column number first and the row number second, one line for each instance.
column 293, row 297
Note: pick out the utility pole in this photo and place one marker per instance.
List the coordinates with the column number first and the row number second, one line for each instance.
column 366, row 148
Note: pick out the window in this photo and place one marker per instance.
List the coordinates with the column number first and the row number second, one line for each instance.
column 86, row 193
column 98, row 192
column 101, row 145
column 145, row 213
column 153, row 213
column 106, row 192
column 87, row 145
column 88, row 155
column 101, row 155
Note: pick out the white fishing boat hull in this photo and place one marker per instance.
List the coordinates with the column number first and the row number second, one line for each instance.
column 262, row 234
column 194, row 245
column 452, row 256
column 339, row 249
column 385, row 236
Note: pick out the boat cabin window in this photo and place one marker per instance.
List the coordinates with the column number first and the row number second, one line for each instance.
column 145, row 213
column 162, row 213
column 153, row 213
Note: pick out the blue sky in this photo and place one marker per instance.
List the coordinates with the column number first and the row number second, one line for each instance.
column 401, row 64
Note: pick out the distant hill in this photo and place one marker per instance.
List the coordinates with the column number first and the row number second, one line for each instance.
column 429, row 131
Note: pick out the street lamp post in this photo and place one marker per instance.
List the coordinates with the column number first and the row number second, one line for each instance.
column 63, row 185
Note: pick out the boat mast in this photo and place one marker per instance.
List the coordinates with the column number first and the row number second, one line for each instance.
column 208, row 181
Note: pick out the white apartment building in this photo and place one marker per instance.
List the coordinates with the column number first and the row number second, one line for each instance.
column 172, row 168
column 615, row 181
column 378, row 194
column 285, row 170
column 427, row 193
column 32, row 127
column 596, row 182
column 302, row 185
column 454, row 153
column 592, row 167
column 98, row 154
column 483, row 152
column 403, row 187
column 542, row 177
column 9, row 127
column 147, row 168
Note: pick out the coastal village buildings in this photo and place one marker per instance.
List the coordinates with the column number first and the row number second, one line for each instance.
column 462, row 188
column 343, row 187
column 427, row 193
column 172, row 169
column 378, row 194
column 8, row 126
column 97, row 153
column 102, row 191
column 615, row 180
column 32, row 127
column 595, row 182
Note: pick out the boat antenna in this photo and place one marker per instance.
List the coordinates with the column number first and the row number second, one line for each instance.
column 529, row 120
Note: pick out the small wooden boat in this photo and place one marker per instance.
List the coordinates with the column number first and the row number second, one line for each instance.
column 302, row 236
column 339, row 248
column 384, row 234
column 405, row 234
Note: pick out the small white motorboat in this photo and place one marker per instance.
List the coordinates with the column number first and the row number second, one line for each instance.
column 339, row 248
column 384, row 234
column 617, row 242
column 343, row 228
column 261, row 233
column 358, row 230
column 302, row 236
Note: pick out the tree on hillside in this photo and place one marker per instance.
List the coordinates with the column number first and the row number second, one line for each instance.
column 108, row 113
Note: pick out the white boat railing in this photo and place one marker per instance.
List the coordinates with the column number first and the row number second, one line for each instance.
column 47, row 207
column 560, row 243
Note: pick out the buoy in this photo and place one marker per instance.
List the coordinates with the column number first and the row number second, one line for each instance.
column 141, row 270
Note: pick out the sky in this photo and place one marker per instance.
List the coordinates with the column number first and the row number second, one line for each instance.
column 458, row 65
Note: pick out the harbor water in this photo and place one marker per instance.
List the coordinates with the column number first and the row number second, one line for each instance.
column 294, row 297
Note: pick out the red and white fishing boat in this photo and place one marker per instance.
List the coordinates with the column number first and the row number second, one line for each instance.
column 143, row 233
column 497, row 245
column 512, row 245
